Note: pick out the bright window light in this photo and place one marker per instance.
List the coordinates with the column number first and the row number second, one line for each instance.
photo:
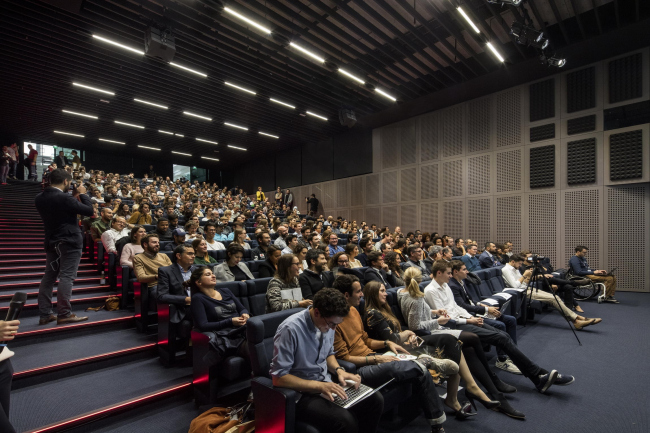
column 197, row 115
column 111, row 141
column 148, row 147
column 211, row 159
column 357, row 79
column 240, row 88
column 93, row 88
column 246, row 20
column 496, row 53
column 381, row 92
column 468, row 19
column 206, row 141
column 69, row 133
column 181, row 153
column 188, row 69
column 129, row 124
column 235, row 126
column 316, row 115
column 309, row 53
column 235, row 147
column 179, row 135
column 108, row 41
column 268, row 135
column 79, row 114
column 165, row 132
column 149, row 103
column 282, row 103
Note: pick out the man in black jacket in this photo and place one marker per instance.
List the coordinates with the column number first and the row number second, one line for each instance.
column 170, row 283
column 367, row 245
column 378, row 271
column 314, row 278
column 63, row 244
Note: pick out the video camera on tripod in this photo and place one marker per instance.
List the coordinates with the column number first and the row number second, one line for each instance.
column 535, row 259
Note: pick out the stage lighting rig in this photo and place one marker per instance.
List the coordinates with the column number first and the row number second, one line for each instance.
column 525, row 35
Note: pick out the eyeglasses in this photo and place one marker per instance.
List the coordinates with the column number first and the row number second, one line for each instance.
column 331, row 325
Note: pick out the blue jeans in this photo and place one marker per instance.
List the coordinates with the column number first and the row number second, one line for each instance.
column 507, row 324
column 62, row 262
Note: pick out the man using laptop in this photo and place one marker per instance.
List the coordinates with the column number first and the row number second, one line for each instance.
column 303, row 360
column 579, row 266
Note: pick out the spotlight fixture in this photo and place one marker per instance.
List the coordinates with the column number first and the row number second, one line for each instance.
column 197, row 115
column 552, row 60
column 93, row 88
column 125, row 47
column 505, row 2
column 205, row 141
column 268, row 135
column 181, row 153
column 188, row 69
column 316, row 115
column 129, row 124
column 79, row 114
column 307, row 52
column 149, row 103
column 232, row 125
column 525, row 35
column 236, row 147
column 246, row 20
column 69, row 133
column 111, row 141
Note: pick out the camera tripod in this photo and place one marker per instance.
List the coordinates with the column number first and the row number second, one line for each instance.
column 538, row 276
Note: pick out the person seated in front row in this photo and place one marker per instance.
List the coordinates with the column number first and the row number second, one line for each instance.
column 304, row 359
column 378, row 270
column 315, row 277
column 233, row 269
column 201, row 256
column 172, row 291
column 352, row 344
column 219, row 314
column 269, row 266
column 284, row 291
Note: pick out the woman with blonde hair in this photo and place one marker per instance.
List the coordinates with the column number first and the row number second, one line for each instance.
column 240, row 238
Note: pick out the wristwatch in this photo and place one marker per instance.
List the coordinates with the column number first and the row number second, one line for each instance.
column 386, row 344
column 336, row 370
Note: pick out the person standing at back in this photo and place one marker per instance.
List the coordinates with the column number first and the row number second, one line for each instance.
column 313, row 204
column 63, row 244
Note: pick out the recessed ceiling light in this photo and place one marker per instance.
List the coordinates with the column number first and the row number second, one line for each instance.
column 268, row 135
column 188, row 69
column 495, row 52
column 129, row 124
column 355, row 78
column 282, row 103
column 235, row 126
column 179, row 135
column 147, row 147
column 111, row 141
column 235, row 147
column 165, row 132
column 246, row 20
column 381, row 92
column 181, row 153
column 316, row 115
column 207, row 157
column 149, row 103
column 240, row 88
column 468, row 19
column 206, row 141
column 197, row 115
column 79, row 114
column 93, row 88
column 309, row 53
column 119, row 45
column 69, row 133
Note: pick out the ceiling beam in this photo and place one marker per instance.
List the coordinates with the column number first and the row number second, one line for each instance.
column 558, row 18
column 577, row 15
column 597, row 14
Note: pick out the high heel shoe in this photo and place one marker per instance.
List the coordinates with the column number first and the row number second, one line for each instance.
column 490, row 404
column 464, row 412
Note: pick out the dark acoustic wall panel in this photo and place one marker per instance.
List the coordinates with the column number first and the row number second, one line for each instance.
column 352, row 153
column 255, row 173
column 542, row 100
column 543, row 132
column 581, row 90
column 625, row 150
column 286, row 172
column 542, row 167
column 317, row 160
column 580, row 125
column 581, row 161
column 625, row 78
column 623, row 116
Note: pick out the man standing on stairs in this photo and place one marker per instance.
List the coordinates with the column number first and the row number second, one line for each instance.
column 63, row 244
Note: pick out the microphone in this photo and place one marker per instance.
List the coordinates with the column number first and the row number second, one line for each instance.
column 15, row 307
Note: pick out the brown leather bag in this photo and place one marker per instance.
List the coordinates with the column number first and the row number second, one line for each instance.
column 112, row 304
column 215, row 420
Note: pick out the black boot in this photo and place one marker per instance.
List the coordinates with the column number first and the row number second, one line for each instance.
column 501, row 385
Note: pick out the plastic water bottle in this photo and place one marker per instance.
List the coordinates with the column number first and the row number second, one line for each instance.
column 102, row 280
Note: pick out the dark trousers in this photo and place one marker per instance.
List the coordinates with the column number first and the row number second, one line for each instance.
column 504, row 323
column 564, row 291
column 6, row 374
column 12, row 168
column 62, row 262
column 417, row 375
column 363, row 417
column 501, row 340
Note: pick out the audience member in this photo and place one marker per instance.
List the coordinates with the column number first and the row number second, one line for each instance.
column 337, row 262
column 378, row 270
column 178, row 239
column 459, row 247
column 393, row 261
column 489, row 258
column 291, row 240
column 352, row 251
column 211, row 233
column 470, row 259
column 201, row 255
column 367, row 245
column 146, row 264
column 580, row 267
column 240, row 239
column 233, row 269
column 133, row 247
column 269, row 266
column 300, row 251
column 141, row 216
column 162, row 230
column 263, row 242
column 117, row 231
column 282, row 232
column 284, row 290
column 104, row 223
column 414, row 253
column 315, row 277
column 172, row 290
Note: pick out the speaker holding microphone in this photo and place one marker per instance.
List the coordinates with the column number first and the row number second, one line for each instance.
column 15, row 307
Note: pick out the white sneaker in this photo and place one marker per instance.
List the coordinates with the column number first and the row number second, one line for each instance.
column 508, row 366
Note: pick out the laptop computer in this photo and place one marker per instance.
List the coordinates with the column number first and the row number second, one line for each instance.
column 356, row 395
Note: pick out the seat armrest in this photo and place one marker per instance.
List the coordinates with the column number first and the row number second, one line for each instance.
column 349, row 367
column 275, row 408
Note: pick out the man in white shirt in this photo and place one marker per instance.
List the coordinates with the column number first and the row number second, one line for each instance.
column 210, row 230
column 514, row 279
column 117, row 231
column 439, row 296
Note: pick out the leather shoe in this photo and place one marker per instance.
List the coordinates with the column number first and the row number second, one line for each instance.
column 72, row 318
column 579, row 324
column 46, row 320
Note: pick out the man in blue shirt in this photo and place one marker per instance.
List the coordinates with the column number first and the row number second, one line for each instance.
column 580, row 267
column 470, row 259
column 304, row 359
column 334, row 245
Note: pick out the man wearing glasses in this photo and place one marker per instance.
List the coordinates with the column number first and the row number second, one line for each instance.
column 415, row 259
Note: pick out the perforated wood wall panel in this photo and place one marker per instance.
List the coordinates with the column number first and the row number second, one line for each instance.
column 356, row 191
column 452, row 218
column 508, row 127
column 372, row 189
column 389, row 146
column 452, row 131
column 452, row 178
column 428, row 137
column 581, row 161
column 389, row 216
column 625, row 78
column 580, row 125
column 343, row 193
column 389, row 187
column 625, row 150
column 542, row 132
column 542, row 166
column 373, row 215
column 328, row 197
column 429, row 217
column 581, row 90
column 508, row 215
column 343, row 213
column 429, row 181
column 478, row 175
column 509, row 170
column 584, row 230
column 407, row 143
column 479, row 218
column 408, row 185
column 542, row 100
column 409, row 217
column 358, row 215
column 479, row 125
column 542, row 224
column 627, row 225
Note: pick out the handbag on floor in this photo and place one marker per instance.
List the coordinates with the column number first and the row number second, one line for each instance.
column 223, row 420
column 112, row 304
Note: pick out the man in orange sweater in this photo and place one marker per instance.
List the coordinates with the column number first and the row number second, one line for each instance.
column 352, row 344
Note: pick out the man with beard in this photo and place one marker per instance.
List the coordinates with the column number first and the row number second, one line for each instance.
column 146, row 264
column 314, row 278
